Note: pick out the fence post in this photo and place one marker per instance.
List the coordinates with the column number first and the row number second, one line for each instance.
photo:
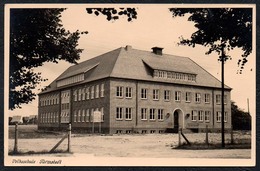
column 207, row 138
column 180, row 136
column 231, row 134
column 69, row 137
column 16, row 138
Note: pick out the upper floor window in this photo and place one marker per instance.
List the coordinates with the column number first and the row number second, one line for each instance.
column 75, row 95
column 83, row 93
column 207, row 98
column 87, row 93
column 197, row 97
column 92, row 92
column 102, row 90
column 119, row 91
column 167, row 95
column 128, row 92
column 143, row 93
column 97, row 91
column 79, row 95
column 175, row 75
column 218, row 99
column 188, row 96
column 225, row 99
column 156, row 94
column 177, row 96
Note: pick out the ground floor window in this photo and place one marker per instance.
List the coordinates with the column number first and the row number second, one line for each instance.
column 201, row 115
column 207, row 116
column 143, row 114
column 128, row 113
column 152, row 112
column 160, row 114
column 194, row 115
column 119, row 113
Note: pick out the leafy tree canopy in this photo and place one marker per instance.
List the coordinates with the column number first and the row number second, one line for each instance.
column 36, row 36
column 113, row 13
column 220, row 28
column 240, row 120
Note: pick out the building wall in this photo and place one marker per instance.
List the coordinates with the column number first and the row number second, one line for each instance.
column 49, row 110
column 169, row 107
column 91, row 105
column 110, row 102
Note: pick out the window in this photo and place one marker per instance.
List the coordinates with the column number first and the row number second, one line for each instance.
column 119, row 91
column 83, row 93
column 75, row 95
column 156, row 94
column 75, row 116
column 207, row 98
column 102, row 90
column 177, row 96
column 225, row 116
column 160, row 114
column 197, row 97
column 152, row 111
column 128, row 113
column 143, row 114
column 128, row 92
column 97, row 91
column 92, row 92
column 188, row 97
column 207, row 116
column 201, row 115
column 167, row 95
column 218, row 99
column 218, row 116
column 143, row 93
column 119, row 113
column 194, row 115
column 87, row 115
column 79, row 96
column 83, row 116
column 87, row 93
column 79, row 115
column 91, row 115
column 102, row 114
column 225, row 99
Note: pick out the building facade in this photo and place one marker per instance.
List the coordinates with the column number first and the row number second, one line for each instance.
column 136, row 92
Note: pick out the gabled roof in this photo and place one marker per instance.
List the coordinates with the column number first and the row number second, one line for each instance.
column 134, row 64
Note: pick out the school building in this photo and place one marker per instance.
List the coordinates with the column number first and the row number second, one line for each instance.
column 136, row 91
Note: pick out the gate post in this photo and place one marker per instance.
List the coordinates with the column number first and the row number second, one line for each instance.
column 207, row 137
column 180, row 136
column 69, row 137
column 16, row 138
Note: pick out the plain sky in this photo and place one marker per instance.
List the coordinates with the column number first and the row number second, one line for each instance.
column 153, row 27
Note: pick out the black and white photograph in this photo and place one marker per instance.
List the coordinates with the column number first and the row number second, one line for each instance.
column 130, row 85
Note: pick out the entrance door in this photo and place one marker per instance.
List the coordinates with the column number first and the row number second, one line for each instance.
column 176, row 120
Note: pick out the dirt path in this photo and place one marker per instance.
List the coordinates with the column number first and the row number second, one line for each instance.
column 149, row 145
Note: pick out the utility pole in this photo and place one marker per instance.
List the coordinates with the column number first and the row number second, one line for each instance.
column 222, row 58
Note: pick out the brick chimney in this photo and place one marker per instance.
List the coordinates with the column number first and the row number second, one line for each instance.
column 128, row 47
column 157, row 50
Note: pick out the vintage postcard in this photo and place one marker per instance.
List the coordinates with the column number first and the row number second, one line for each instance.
column 130, row 85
